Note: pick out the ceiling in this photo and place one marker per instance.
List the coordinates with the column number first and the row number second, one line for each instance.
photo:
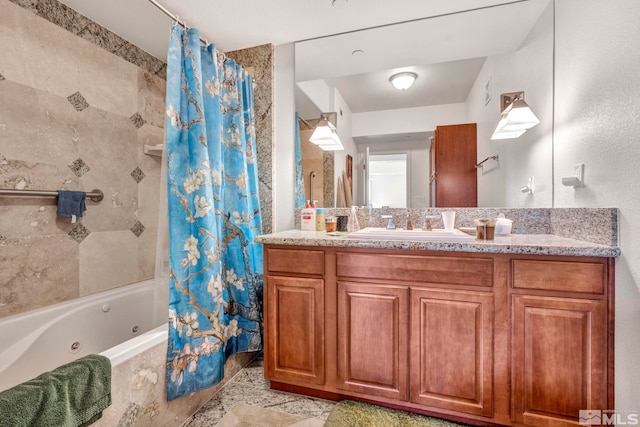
column 238, row 24
column 328, row 31
column 446, row 52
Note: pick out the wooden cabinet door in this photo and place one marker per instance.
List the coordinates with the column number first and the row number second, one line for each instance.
column 294, row 330
column 452, row 350
column 455, row 176
column 558, row 359
column 372, row 339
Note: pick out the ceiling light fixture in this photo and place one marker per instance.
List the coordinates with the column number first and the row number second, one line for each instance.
column 403, row 81
column 516, row 117
column 325, row 135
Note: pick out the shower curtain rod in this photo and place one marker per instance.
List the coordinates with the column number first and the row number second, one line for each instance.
column 183, row 24
column 176, row 18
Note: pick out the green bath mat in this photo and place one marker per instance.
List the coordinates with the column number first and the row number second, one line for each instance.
column 349, row 413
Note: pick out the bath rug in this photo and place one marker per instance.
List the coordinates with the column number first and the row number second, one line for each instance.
column 242, row 415
column 349, row 413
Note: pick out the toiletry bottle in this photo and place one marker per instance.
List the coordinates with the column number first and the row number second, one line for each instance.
column 308, row 218
column 319, row 219
column 352, row 224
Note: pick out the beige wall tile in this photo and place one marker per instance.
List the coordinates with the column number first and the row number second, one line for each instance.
column 31, row 278
column 147, row 253
column 149, row 198
column 117, row 209
column 31, row 217
column 62, row 63
column 139, row 396
column 36, row 126
column 108, row 260
column 149, row 135
column 151, row 98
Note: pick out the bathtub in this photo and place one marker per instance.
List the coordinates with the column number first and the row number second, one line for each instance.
column 116, row 323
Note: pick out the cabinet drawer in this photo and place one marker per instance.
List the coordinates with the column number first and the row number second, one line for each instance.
column 446, row 270
column 295, row 261
column 565, row 276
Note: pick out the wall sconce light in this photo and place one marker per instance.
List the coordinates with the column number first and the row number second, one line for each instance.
column 516, row 116
column 325, row 135
column 403, row 81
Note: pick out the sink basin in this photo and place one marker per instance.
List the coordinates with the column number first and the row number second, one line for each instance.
column 439, row 235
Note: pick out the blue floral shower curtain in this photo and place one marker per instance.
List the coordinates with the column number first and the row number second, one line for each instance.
column 299, row 174
column 215, row 300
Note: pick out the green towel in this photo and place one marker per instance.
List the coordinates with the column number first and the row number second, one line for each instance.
column 72, row 395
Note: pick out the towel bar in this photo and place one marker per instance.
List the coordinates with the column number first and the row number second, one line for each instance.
column 94, row 195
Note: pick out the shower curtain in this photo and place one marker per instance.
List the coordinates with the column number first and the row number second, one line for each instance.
column 299, row 173
column 215, row 294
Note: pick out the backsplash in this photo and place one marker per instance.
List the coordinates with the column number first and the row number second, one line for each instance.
column 599, row 225
column 596, row 225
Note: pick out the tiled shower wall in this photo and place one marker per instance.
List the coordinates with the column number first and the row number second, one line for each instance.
column 77, row 106
column 73, row 116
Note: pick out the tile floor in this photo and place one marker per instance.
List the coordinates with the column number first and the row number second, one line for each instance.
column 249, row 387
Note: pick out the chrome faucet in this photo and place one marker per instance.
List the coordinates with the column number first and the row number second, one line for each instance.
column 390, row 225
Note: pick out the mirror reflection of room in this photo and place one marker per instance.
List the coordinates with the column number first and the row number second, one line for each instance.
column 388, row 180
column 461, row 64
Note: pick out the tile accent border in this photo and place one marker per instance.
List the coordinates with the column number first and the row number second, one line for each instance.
column 72, row 21
column 78, row 101
column 79, row 232
column 137, row 228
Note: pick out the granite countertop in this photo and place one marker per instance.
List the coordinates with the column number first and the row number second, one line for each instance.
column 536, row 244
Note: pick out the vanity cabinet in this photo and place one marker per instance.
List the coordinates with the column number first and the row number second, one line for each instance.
column 452, row 350
column 294, row 318
column 559, row 341
column 373, row 339
column 472, row 337
column 453, row 156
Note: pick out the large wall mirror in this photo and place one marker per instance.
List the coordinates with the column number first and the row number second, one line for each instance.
column 464, row 62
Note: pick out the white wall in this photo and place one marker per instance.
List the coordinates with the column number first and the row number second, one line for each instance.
column 284, row 140
column 318, row 93
column 597, row 113
column 529, row 69
column 407, row 120
column 344, row 129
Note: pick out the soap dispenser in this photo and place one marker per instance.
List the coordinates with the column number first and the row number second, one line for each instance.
column 352, row 224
